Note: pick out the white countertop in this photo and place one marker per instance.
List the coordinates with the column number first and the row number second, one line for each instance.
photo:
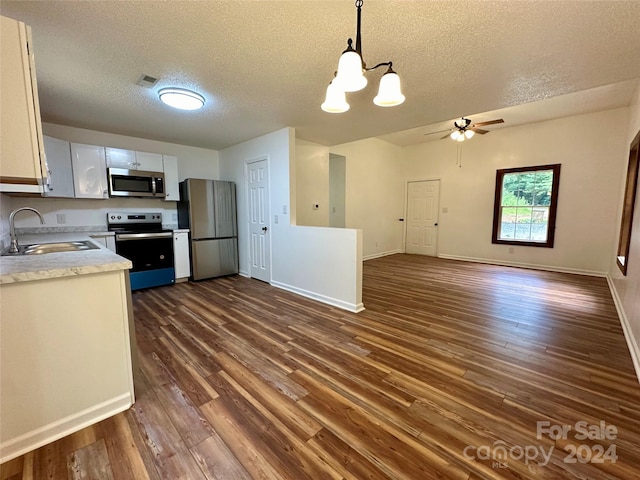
column 25, row 268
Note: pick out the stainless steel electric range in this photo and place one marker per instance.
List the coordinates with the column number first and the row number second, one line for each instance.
column 141, row 239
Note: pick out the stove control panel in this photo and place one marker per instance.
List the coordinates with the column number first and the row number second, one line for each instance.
column 124, row 218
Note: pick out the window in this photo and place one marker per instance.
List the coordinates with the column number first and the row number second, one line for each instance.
column 525, row 205
column 627, row 209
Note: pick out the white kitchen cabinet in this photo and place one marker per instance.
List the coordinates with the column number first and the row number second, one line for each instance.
column 182, row 262
column 89, row 171
column 58, row 154
column 23, row 165
column 170, row 167
column 66, row 355
column 105, row 239
column 120, row 158
column 149, row 162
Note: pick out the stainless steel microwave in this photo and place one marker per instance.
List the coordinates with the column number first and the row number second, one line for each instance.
column 135, row 183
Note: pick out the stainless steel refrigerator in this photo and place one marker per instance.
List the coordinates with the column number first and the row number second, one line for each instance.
column 208, row 209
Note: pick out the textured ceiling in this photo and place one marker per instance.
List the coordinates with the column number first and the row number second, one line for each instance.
column 264, row 65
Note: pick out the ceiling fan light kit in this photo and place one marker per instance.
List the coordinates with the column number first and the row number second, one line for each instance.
column 350, row 77
column 465, row 130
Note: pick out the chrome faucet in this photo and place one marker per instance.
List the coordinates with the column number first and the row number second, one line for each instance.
column 12, row 229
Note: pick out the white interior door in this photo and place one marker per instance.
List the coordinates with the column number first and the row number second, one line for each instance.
column 423, row 204
column 259, row 234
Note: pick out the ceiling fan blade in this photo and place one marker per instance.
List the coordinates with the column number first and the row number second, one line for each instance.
column 478, row 130
column 446, row 136
column 490, row 122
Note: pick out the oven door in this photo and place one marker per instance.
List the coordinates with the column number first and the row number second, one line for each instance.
column 151, row 255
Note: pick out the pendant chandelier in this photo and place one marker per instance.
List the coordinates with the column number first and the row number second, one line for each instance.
column 350, row 77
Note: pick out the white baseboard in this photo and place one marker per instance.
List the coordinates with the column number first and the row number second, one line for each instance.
column 381, row 254
column 634, row 348
column 351, row 307
column 29, row 441
column 549, row 268
column 244, row 273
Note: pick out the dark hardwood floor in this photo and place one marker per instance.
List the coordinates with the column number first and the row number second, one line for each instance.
column 445, row 375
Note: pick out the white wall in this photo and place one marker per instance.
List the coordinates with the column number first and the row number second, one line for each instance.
column 192, row 162
column 626, row 289
column 589, row 147
column 375, row 192
column 321, row 263
column 312, row 184
column 85, row 213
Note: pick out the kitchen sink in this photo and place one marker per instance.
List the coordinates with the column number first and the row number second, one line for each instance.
column 54, row 247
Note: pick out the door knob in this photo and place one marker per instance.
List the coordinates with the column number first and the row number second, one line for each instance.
column 435, row 224
column 264, row 229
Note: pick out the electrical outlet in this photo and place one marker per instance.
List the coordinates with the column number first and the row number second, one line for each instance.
column 174, row 217
column 275, row 219
column 61, row 218
column 284, row 209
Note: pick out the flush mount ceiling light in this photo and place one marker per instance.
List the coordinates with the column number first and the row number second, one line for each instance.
column 181, row 98
column 350, row 77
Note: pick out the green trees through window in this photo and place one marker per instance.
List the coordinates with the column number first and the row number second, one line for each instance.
column 525, row 204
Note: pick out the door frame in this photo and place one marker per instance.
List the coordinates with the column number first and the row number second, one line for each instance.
column 246, row 187
column 406, row 211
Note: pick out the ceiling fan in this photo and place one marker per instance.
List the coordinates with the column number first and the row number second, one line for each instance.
column 464, row 129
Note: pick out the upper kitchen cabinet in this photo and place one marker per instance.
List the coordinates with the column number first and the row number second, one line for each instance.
column 58, row 154
column 149, row 162
column 120, row 158
column 89, row 171
column 170, row 168
column 22, row 160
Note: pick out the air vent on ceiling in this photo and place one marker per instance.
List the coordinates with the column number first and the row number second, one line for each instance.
column 147, row 81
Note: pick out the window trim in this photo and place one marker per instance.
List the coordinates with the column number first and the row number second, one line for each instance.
column 553, row 207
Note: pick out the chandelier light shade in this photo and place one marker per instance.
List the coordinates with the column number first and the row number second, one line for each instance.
column 389, row 93
column 181, row 98
column 335, row 102
column 350, row 77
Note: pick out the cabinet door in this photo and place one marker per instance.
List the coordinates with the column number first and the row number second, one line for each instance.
column 58, row 154
column 89, row 171
column 182, row 263
column 149, row 162
column 119, row 158
column 170, row 167
column 22, row 160
column 108, row 241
